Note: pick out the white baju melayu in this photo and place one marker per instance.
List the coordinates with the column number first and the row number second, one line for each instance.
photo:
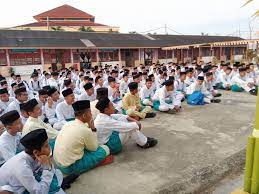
column 225, row 79
column 9, row 146
column 53, row 83
column 189, row 81
column 163, row 96
column 201, row 88
column 22, row 178
column 51, row 113
column 106, row 125
column 14, row 105
column 64, row 113
column 4, row 105
column 146, row 94
column 241, row 82
column 85, row 96
column 123, row 87
column 34, row 86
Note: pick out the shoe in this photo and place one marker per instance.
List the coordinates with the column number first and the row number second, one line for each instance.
column 218, row 95
column 253, row 92
column 108, row 160
column 172, row 111
column 151, row 142
column 150, row 115
column 215, row 101
column 68, row 180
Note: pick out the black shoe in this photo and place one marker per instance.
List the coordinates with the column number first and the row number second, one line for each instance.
column 218, row 95
column 215, row 101
column 151, row 142
column 68, row 180
column 150, row 115
column 253, row 92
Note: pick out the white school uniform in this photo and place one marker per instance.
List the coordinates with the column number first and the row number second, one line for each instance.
column 64, row 112
column 189, row 81
column 241, row 82
column 9, row 145
column 14, row 105
column 85, row 96
column 4, row 105
column 162, row 95
column 201, row 88
column 123, row 87
column 106, row 124
column 22, row 178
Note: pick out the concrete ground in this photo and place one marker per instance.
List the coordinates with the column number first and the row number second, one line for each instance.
column 196, row 149
column 228, row 184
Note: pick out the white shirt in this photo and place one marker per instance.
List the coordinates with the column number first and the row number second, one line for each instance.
column 4, row 105
column 162, row 95
column 9, row 145
column 123, row 87
column 14, row 105
column 146, row 93
column 64, row 112
column 105, row 125
column 22, row 178
column 85, row 96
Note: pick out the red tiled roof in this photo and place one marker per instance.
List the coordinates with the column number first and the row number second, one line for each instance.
column 39, row 24
column 64, row 11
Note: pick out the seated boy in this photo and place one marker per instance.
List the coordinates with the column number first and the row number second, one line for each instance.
column 76, row 149
column 147, row 92
column 34, row 171
column 10, row 139
column 132, row 106
column 114, row 130
column 34, row 111
column 166, row 100
column 197, row 93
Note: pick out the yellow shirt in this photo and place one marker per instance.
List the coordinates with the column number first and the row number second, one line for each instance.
column 130, row 101
column 74, row 137
column 35, row 123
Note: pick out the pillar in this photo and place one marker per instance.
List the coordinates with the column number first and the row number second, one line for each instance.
column 7, row 57
column 199, row 53
column 119, row 55
column 182, row 57
column 166, row 56
column 173, row 55
column 220, row 53
column 97, row 56
column 72, row 57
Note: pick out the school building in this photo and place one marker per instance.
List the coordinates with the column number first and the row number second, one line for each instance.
column 23, row 51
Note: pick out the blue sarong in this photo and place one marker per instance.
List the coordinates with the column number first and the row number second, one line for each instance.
column 236, row 88
column 52, row 143
column 114, row 143
column 87, row 162
column 196, row 98
column 156, row 104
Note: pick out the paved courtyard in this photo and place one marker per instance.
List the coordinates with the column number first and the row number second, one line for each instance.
column 196, row 148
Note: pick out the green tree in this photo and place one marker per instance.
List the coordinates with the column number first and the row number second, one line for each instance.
column 89, row 29
column 82, row 29
column 57, row 28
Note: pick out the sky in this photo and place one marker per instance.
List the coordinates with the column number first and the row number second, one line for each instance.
column 215, row 17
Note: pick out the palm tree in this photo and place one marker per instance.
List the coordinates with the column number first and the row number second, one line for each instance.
column 82, row 29
column 256, row 14
column 89, row 29
column 58, row 28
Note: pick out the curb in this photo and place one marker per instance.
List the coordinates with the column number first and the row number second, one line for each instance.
column 206, row 177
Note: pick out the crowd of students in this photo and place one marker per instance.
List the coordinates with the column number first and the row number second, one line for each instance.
column 71, row 121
